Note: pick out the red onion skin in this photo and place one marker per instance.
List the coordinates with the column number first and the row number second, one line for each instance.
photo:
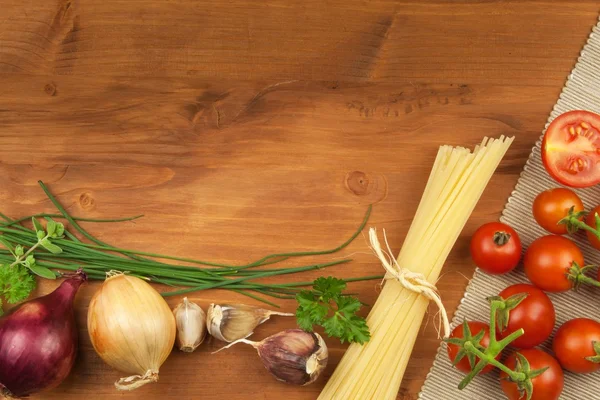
column 38, row 341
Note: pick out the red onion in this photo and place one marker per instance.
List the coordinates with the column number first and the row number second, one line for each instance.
column 38, row 341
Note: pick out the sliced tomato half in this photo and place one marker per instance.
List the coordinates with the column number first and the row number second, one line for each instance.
column 571, row 149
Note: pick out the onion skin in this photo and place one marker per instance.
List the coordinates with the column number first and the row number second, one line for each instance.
column 132, row 328
column 38, row 341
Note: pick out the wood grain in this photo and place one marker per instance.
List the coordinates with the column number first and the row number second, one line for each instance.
column 533, row 42
column 242, row 128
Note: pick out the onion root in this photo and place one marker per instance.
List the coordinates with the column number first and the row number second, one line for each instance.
column 136, row 381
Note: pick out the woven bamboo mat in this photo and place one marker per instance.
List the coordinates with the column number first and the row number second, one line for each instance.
column 581, row 91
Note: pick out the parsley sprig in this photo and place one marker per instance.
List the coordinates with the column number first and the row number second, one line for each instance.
column 16, row 279
column 327, row 306
column 16, row 283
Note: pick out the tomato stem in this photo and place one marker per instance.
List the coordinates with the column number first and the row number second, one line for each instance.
column 573, row 222
column 522, row 375
column 595, row 359
column 577, row 275
column 478, row 368
column 511, row 338
column 495, row 347
column 514, row 376
column 503, row 308
column 501, row 238
column 588, row 280
column 494, row 307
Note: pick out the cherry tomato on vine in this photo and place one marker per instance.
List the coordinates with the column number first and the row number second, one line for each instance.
column 548, row 260
column 550, row 206
column 546, row 386
column 535, row 315
column 571, row 149
column 496, row 248
column 573, row 345
column 475, row 327
column 591, row 221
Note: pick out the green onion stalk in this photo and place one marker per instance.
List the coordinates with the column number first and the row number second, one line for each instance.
column 49, row 251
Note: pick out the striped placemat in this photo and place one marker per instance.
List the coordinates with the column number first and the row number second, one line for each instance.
column 582, row 91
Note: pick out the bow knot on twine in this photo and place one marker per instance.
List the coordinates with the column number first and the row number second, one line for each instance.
column 413, row 281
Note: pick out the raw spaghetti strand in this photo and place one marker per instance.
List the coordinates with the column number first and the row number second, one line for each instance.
column 456, row 182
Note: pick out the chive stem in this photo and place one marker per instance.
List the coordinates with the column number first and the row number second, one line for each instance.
column 97, row 258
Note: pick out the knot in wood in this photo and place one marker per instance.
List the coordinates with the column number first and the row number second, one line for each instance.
column 357, row 182
column 50, row 89
column 86, row 201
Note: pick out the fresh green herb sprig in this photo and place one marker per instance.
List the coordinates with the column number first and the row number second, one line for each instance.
column 57, row 250
column 327, row 306
column 45, row 237
column 16, row 283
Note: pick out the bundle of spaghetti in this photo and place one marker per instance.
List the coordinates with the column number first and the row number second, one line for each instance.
column 457, row 180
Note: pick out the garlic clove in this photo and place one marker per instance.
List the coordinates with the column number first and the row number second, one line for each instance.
column 292, row 356
column 317, row 361
column 230, row 322
column 191, row 325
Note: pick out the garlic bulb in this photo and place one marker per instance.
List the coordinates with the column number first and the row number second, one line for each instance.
column 292, row 356
column 191, row 325
column 230, row 322
column 131, row 328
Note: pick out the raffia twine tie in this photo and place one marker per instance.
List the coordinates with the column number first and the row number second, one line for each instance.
column 413, row 281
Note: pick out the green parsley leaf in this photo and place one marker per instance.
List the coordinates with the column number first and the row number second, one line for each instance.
column 304, row 319
column 326, row 306
column 348, row 305
column 310, row 305
column 354, row 327
column 16, row 283
column 334, row 327
column 329, row 288
column 358, row 330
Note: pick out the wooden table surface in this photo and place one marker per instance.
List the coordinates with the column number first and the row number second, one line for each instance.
column 242, row 128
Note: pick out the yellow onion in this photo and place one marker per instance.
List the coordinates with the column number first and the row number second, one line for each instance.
column 132, row 329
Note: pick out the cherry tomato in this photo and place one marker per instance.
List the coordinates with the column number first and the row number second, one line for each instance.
column 574, row 341
column 496, row 248
column 552, row 205
column 591, row 221
column 547, row 386
column 535, row 315
column 547, row 262
column 571, row 149
column 475, row 327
